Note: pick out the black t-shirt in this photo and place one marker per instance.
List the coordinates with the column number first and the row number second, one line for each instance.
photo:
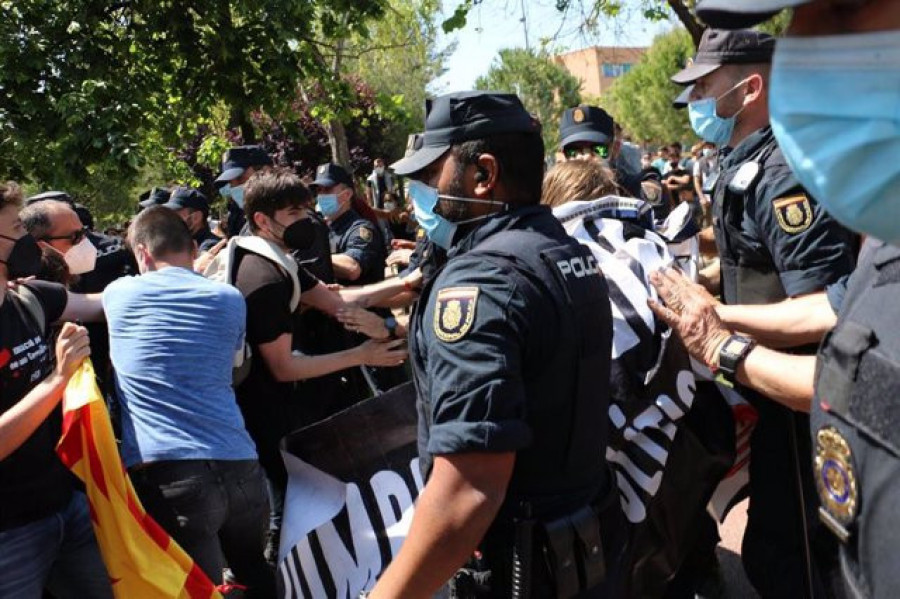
column 264, row 401
column 33, row 481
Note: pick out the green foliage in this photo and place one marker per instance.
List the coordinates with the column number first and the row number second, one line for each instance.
column 545, row 87
column 641, row 100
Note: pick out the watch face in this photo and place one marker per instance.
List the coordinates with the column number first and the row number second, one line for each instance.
column 735, row 346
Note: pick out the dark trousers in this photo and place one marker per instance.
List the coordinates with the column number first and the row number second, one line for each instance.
column 218, row 512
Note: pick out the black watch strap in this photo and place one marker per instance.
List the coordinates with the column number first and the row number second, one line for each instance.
column 731, row 353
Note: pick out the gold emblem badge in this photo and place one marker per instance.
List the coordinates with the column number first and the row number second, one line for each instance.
column 794, row 213
column 454, row 312
column 420, row 233
column 365, row 233
column 836, row 480
column 578, row 115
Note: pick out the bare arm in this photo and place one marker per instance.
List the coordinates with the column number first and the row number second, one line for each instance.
column 345, row 267
column 792, row 322
column 286, row 366
column 455, row 509
column 786, row 378
column 86, row 307
column 390, row 293
column 19, row 422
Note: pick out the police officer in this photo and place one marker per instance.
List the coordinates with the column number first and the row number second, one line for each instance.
column 774, row 242
column 193, row 208
column 510, row 344
column 834, row 112
column 153, row 197
column 358, row 250
column 238, row 165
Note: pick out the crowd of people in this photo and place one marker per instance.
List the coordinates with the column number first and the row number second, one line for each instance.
column 488, row 281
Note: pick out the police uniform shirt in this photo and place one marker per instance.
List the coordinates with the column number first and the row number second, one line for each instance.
column 354, row 236
column 482, row 335
column 855, row 426
column 776, row 226
column 206, row 239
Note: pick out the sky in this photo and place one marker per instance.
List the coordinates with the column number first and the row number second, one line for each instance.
column 493, row 25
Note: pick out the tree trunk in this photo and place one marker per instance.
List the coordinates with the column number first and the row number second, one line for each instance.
column 687, row 18
column 238, row 119
column 340, row 148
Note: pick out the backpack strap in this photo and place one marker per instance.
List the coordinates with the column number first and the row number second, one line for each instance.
column 269, row 250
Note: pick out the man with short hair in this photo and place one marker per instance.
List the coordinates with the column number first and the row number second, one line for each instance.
column 379, row 184
column 774, row 242
column 193, row 208
column 511, row 350
column 276, row 214
column 238, row 165
column 46, row 538
column 358, row 245
column 173, row 336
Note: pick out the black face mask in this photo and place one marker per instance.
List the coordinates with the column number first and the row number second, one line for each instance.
column 300, row 235
column 25, row 258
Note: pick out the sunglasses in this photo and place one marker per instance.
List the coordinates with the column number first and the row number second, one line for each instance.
column 75, row 237
column 595, row 149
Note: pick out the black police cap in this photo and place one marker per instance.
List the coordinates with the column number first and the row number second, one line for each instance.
column 681, row 101
column 719, row 47
column 464, row 116
column 238, row 159
column 330, row 174
column 154, row 197
column 586, row 123
column 737, row 14
column 187, row 197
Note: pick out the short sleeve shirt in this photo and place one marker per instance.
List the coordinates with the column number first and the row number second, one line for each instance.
column 33, row 482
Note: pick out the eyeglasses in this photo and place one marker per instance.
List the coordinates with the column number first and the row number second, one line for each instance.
column 75, row 237
column 594, row 149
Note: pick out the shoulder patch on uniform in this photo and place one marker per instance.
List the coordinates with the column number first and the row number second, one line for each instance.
column 794, row 213
column 836, row 480
column 420, row 233
column 454, row 312
column 365, row 233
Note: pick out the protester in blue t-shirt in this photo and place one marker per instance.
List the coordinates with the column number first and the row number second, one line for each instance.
column 173, row 335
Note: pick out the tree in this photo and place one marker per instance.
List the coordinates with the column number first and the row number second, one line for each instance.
column 641, row 100
column 545, row 88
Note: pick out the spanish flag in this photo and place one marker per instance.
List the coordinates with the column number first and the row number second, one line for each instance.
column 141, row 558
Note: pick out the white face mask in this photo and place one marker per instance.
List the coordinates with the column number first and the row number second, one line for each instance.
column 81, row 258
column 379, row 170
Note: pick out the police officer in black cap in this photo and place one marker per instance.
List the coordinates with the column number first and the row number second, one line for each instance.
column 156, row 196
column 358, row 250
column 238, row 165
column 774, row 242
column 834, row 111
column 510, row 345
column 193, row 208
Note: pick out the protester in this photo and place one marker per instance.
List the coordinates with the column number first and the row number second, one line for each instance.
column 275, row 214
column 489, row 446
column 380, row 185
column 774, row 242
column 46, row 537
column 577, row 180
column 173, row 336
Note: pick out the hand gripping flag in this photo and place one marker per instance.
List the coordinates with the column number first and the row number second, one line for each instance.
column 141, row 558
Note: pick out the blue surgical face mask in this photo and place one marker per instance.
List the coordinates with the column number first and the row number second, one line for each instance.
column 438, row 229
column 835, row 110
column 707, row 123
column 328, row 204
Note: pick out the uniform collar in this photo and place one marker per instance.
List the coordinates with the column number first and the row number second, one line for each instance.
column 749, row 146
column 509, row 219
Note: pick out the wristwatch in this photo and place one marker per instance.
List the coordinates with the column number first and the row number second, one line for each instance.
column 731, row 353
column 390, row 323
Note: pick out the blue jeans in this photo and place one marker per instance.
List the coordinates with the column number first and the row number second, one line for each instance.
column 59, row 552
column 217, row 510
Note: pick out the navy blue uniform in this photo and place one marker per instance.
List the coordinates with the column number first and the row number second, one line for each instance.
column 206, row 239
column 499, row 351
column 775, row 242
column 358, row 238
column 855, row 424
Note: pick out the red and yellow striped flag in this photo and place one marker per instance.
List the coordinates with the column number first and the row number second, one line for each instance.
column 141, row 558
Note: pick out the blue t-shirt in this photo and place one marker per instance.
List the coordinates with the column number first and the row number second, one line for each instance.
column 173, row 335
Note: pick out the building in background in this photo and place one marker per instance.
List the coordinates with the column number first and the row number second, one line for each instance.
column 598, row 67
